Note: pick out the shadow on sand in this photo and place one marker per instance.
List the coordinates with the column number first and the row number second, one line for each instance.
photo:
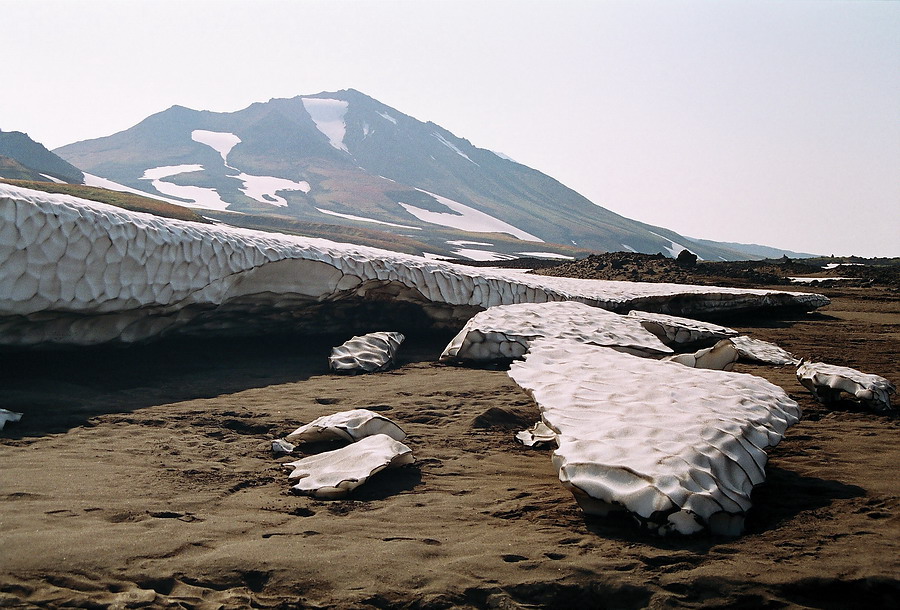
column 61, row 389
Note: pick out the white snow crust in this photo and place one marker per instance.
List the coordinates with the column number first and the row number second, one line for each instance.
column 827, row 382
column 553, row 255
column 679, row 448
column 263, row 188
column 221, row 141
column 465, row 218
column 198, row 196
column 92, row 180
column 475, row 254
column 328, row 115
column 675, row 330
column 364, row 219
column 387, row 117
column 334, row 474
column 348, row 426
column 8, row 416
column 719, row 357
column 368, row 353
column 81, row 272
column 757, row 350
column 505, row 332
column 452, row 147
column 462, row 242
column 674, row 247
column 538, row 435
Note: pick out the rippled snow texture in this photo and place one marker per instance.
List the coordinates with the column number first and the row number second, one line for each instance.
column 80, row 272
column 504, row 332
column 368, row 353
column 679, row 448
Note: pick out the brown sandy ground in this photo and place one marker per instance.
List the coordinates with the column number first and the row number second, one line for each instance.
column 143, row 478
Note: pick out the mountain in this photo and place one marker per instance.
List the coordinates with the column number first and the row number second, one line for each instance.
column 21, row 158
column 756, row 251
column 344, row 158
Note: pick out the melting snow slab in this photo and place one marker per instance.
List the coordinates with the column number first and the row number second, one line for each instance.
column 366, row 354
column 827, row 382
column 680, row 449
column 347, row 425
column 334, row 474
column 80, row 273
column 675, row 330
column 757, row 350
column 504, row 332
column 8, row 416
column 720, row 357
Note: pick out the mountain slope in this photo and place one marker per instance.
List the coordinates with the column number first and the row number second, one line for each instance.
column 346, row 158
column 25, row 159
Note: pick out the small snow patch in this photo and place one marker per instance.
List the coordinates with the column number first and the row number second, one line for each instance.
column 466, row 218
column 328, row 115
column 388, row 117
column 452, row 147
column 222, row 142
column 364, row 219
column 547, row 255
column 197, row 196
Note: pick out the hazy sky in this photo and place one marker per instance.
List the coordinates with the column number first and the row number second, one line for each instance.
column 768, row 122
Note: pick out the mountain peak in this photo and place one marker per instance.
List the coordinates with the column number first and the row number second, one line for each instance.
column 345, row 158
column 30, row 160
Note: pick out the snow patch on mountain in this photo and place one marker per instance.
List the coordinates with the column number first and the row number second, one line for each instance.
column 263, row 188
column 554, row 255
column 675, row 248
column 198, row 196
column 452, row 147
column 92, row 180
column 626, row 246
column 387, row 117
column 364, row 219
column 480, row 255
column 328, row 115
column 504, row 157
column 462, row 242
column 221, row 142
column 465, row 218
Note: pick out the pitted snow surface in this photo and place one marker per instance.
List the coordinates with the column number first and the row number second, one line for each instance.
column 81, row 272
column 505, row 332
column 679, row 448
column 368, row 353
column 675, row 330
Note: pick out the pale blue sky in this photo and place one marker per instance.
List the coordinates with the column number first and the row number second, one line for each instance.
column 769, row 122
